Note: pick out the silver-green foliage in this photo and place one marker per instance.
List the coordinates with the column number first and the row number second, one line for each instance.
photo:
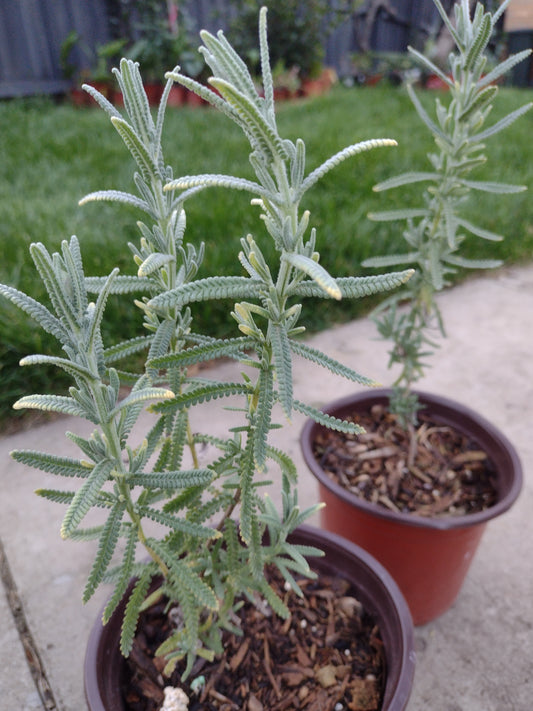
column 206, row 559
column 435, row 230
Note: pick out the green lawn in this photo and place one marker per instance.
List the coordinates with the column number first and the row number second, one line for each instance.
column 52, row 155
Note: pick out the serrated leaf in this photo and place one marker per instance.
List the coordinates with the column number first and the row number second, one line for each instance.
column 435, row 267
column 263, row 415
column 435, row 130
column 213, row 180
column 256, row 559
column 106, row 547
column 135, row 100
column 133, row 610
column 74, row 266
column 36, row 311
column 458, row 261
column 153, row 263
column 422, row 59
column 301, row 563
column 332, row 423
column 480, row 42
column 231, row 542
column 501, row 125
column 404, row 179
column 77, row 371
column 184, row 576
column 482, row 100
column 341, row 156
column 281, row 351
column 448, row 23
column 232, row 348
column 503, row 67
column 211, row 288
column 126, row 573
column 226, row 63
column 307, row 551
column 479, row 231
column 284, row 461
column 126, row 348
column 316, row 356
column 121, row 284
column 54, row 285
column 275, row 602
column 139, row 396
column 392, row 260
column 450, row 224
column 179, row 439
column 136, row 148
column 56, row 495
column 116, row 196
column 491, row 187
column 260, row 133
column 357, row 287
column 315, row 271
column 203, row 393
column 62, row 466
column 50, row 403
column 179, row 524
column 246, row 474
column 266, row 71
column 86, row 496
column 402, row 214
column 101, row 100
column 86, row 534
column 202, row 91
column 181, row 479
column 94, row 337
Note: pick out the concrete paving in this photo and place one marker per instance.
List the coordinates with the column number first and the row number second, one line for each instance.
column 476, row 657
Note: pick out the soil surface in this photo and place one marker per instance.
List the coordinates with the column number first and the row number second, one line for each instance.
column 328, row 655
column 438, row 472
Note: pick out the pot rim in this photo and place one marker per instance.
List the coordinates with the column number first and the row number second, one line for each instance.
column 447, row 408
column 387, row 603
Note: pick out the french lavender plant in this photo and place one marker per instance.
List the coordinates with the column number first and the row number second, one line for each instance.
column 212, row 550
column 436, row 231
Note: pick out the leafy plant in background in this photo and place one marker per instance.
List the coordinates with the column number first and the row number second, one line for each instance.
column 163, row 31
column 297, row 32
column 99, row 60
column 436, row 230
column 212, row 550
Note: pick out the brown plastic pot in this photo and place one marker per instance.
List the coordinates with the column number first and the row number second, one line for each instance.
column 428, row 557
column 379, row 594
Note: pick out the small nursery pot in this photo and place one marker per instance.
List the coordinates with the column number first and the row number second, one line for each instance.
column 428, row 557
column 376, row 590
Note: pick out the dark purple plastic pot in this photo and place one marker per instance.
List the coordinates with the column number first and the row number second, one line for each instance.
column 428, row 558
column 377, row 591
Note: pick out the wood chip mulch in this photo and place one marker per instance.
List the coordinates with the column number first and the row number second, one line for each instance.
column 449, row 475
column 328, row 656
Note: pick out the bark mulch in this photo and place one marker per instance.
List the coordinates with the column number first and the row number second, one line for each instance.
column 439, row 472
column 327, row 656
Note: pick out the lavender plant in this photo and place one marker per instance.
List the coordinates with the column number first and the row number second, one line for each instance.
column 436, row 230
column 212, row 550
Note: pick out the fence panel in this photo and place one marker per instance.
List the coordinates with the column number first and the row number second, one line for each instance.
column 32, row 32
column 31, row 35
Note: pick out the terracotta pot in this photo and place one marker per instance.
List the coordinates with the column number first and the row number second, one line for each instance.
column 79, row 97
column 154, row 91
column 428, row 557
column 378, row 593
column 176, row 96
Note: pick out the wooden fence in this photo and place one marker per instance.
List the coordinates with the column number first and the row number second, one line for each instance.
column 32, row 33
